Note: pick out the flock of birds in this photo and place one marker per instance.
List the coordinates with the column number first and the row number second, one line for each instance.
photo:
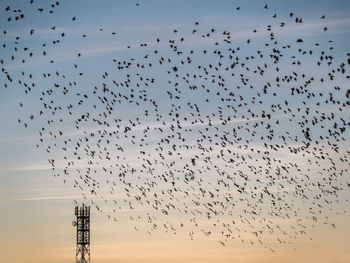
column 231, row 141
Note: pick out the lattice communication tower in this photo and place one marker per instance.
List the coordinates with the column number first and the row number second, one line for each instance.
column 82, row 224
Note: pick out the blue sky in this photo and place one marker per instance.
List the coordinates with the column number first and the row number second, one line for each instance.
column 27, row 183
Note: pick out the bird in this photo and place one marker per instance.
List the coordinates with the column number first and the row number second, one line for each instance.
column 228, row 135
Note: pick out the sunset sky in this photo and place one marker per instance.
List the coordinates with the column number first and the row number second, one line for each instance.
column 37, row 208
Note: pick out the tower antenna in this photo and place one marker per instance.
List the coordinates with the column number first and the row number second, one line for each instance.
column 82, row 224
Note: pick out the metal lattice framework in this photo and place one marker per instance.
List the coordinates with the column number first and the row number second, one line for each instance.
column 83, row 234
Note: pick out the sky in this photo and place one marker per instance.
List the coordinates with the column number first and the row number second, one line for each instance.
column 37, row 205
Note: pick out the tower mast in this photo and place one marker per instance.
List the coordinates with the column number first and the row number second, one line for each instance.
column 82, row 223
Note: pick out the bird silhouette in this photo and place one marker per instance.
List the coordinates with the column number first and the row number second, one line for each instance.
column 232, row 137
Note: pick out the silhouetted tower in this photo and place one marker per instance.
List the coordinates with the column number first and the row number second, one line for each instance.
column 83, row 234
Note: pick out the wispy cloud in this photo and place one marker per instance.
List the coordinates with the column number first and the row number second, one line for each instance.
column 40, row 198
column 291, row 29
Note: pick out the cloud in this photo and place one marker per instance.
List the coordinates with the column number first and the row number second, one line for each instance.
column 312, row 28
column 17, row 138
column 40, row 198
